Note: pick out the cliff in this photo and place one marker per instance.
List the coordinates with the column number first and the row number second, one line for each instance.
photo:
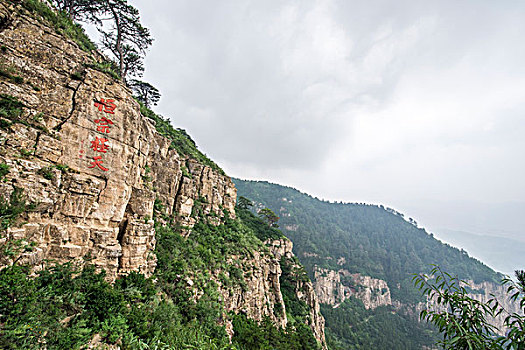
column 301, row 287
column 334, row 287
column 85, row 164
column 96, row 171
column 361, row 259
column 94, row 168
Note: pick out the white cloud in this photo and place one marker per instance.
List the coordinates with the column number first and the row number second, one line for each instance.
column 356, row 100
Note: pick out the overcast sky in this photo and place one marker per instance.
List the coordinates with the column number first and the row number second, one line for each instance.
column 419, row 105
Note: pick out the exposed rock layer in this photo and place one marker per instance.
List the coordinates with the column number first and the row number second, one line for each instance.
column 84, row 210
column 334, row 287
column 304, row 289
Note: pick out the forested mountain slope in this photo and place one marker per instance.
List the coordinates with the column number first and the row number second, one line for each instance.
column 373, row 240
column 362, row 259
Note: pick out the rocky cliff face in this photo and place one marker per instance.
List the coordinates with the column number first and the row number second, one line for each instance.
column 95, row 168
column 303, row 287
column 334, row 287
column 82, row 151
column 261, row 294
column 482, row 292
column 262, row 291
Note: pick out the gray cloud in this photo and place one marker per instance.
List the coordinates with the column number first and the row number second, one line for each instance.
column 380, row 101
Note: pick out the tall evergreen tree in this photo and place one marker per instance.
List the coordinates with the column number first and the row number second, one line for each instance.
column 145, row 92
column 80, row 10
column 127, row 39
column 269, row 216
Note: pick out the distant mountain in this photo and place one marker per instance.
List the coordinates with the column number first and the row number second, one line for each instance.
column 503, row 254
column 503, row 219
column 361, row 259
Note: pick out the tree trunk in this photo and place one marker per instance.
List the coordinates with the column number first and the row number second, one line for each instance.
column 119, row 44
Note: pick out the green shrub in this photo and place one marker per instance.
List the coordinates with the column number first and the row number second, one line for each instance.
column 467, row 323
column 11, row 74
column 4, row 170
column 25, row 153
column 38, row 117
column 62, row 167
column 61, row 22
column 11, row 209
column 77, row 75
column 180, row 140
column 108, row 67
column 10, row 107
column 47, row 173
column 5, row 124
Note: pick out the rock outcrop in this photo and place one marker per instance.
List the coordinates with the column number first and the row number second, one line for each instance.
column 260, row 295
column 482, row 292
column 85, row 155
column 304, row 289
column 334, row 287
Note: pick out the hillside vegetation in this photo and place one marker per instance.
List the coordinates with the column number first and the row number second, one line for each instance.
column 374, row 240
column 65, row 307
column 166, row 263
column 369, row 240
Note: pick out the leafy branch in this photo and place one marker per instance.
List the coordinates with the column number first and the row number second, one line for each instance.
column 464, row 321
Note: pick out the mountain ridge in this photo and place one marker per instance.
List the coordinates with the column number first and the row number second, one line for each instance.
column 362, row 258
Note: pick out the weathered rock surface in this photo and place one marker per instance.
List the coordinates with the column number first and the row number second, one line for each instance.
column 334, row 287
column 262, row 291
column 261, row 295
column 84, row 210
column 304, row 289
column 482, row 292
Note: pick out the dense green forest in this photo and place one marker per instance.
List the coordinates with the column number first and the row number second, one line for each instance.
column 373, row 240
column 351, row 326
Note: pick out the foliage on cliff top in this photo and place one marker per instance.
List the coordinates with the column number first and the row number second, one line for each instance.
column 61, row 22
column 261, row 229
column 180, row 140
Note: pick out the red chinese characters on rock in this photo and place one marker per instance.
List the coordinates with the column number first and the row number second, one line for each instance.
column 99, row 145
column 103, row 125
column 107, row 105
column 97, row 162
